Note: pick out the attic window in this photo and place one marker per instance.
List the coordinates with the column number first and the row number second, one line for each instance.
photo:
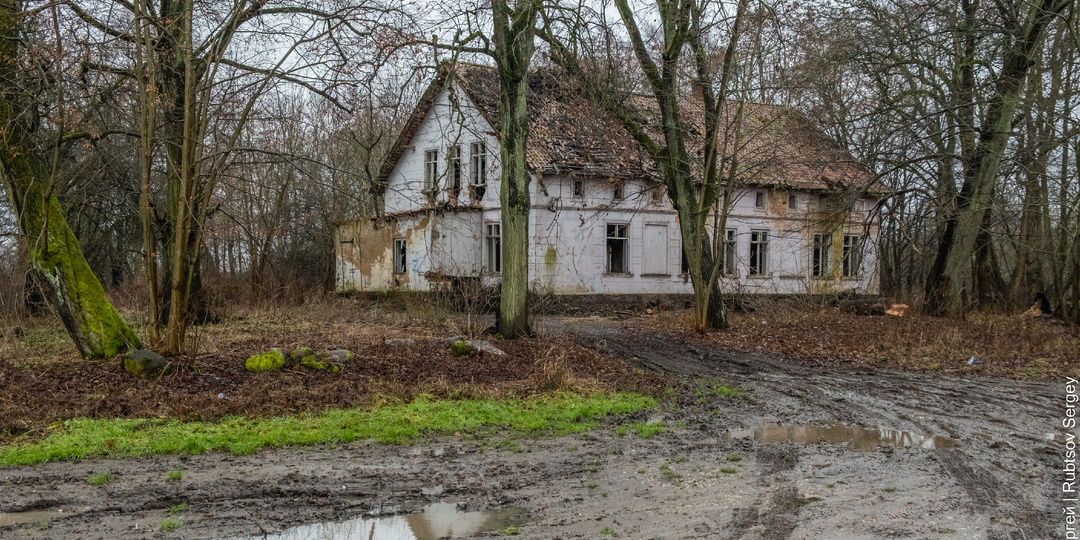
column 453, row 167
column 431, row 169
column 792, row 200
column 759, row 199
column 823, row 202
column 478, row 169
column 619, row 191
column 579, row 189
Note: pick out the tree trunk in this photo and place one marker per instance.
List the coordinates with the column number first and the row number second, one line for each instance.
column 56, row 261
column 513, row 38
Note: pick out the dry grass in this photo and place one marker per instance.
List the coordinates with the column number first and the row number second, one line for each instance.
column 1007, row 346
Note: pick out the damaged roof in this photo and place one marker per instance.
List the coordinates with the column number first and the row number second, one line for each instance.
column 777, row 145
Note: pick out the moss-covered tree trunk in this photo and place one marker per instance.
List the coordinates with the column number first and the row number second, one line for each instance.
column 56, row 261
column 513, row 39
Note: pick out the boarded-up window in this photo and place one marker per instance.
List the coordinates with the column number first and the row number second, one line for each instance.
column 618, row 248
column 759, row 253
column 654, row 250
column 400, row 255
column 493, row 246
column 822, row 246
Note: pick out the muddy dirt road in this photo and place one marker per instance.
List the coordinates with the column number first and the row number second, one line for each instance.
column 901, row 455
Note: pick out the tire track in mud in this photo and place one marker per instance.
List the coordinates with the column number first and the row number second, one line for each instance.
column 1006, row 479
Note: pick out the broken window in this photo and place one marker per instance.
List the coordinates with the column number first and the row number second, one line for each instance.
column 579, row 189
column 730, row 255
column 493, row 246
column 618, row 248
column 658, row 194
column 431, row 170
column 759, row 199
column 759, row 253
column 820, row 263
column 478, row 169
column 619, row 191
column 792, row 200
column 453, row 168
column 852, row 255
column 400, row 255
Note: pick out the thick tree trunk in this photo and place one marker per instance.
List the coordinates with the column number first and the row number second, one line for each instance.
column 513, row 38
column 56, row 261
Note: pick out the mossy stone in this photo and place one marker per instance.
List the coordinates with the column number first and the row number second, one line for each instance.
column 267, row 361
column 314, row 362
column 460, row 348
column 145, row 364
column 340, row 356
column 300, row 353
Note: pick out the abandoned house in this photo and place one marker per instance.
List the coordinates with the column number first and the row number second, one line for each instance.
column 804, row 218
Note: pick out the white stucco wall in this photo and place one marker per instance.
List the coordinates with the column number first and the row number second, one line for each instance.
column 568, row 247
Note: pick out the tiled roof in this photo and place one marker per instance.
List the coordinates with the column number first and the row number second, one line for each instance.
column 779, row 146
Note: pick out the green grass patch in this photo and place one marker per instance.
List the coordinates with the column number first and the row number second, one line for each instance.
column 511, row 530
column 178, row 509
column 734, row 458
column 100, row 479
column 169, row 525
column 643, row 430
column 729, row 470
column 175, row 475
column 395, row 423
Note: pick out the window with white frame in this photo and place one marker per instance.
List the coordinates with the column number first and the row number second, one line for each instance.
column 820, row 264
column 493, row 247
column 453, row 167
column 400, row 255
column 618, row 248
column 730, row 255
column 431, row 169
column 852, row 255
column 759, row 253
column 478, row 165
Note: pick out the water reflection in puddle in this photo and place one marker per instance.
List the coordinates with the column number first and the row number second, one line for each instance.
column 858, row 439
column 430, row 522
column 23, row 518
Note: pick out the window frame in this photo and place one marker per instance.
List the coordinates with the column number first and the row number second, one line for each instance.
column 852, row 256
column 731, row 253
column 478, row 164
column 493, row 253
column 759, row 253
column 453, row 167
column 611, row 234
column 577, row 189
column 431, row 170
column 761, row 199
column 793, row 200
column 618, row 191
column 821, row 250
column 401, row 259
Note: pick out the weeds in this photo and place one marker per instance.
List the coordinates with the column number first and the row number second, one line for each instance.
column 178, row 509
column 889, row 489
column 734, row 458
column 100, row 479
column 606, row 531
column 395, row 423
column 665, row 469
column 169, row 525
column 591, row 485
column 830, row 485
column 510, row 531
column 175, row 475
column 729, row 470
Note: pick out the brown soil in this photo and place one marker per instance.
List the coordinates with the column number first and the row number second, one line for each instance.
column 999, row 478
column 38, row 392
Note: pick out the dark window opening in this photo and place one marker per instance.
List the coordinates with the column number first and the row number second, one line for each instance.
column 431, row 170
column 730, row 255
column 579, row 189
column 478, row 170
column 759, row 253
column 618, row 244
column 400, row 255
column 822, row 245
column 619, row 191
column 852, row 256
column 759, row 199
column 792, row 201
column 453, row 168
column 493, row 234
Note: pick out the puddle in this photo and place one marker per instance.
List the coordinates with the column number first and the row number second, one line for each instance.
column 429, row 522
column 858, row 439
column 24, row 518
